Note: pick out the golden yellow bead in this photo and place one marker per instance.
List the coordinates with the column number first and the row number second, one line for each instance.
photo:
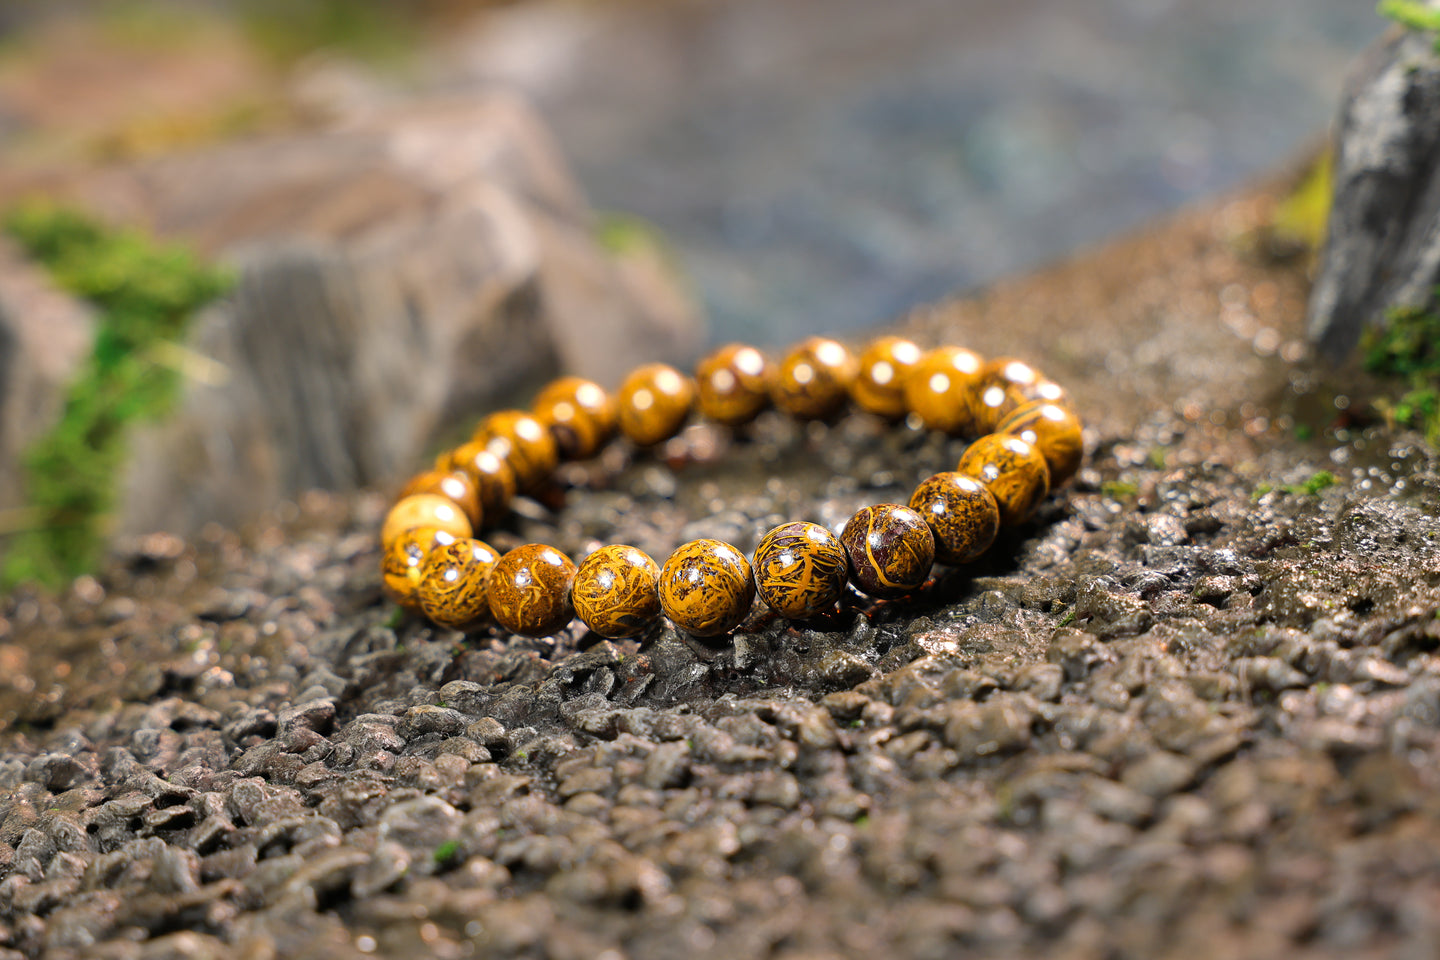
column 942, row 389
column 706, row 587
column 1053, row 430
column 961, row 513
column 403, row 563
column 654, row 402
column 1012, row 470
column 424, row 510
column 530, row 590
column 800, row 570
column 814, row 379
column 617, row 591
column 579, row 414
column 879, row 387
column 522, row 442
column 733, row 384
column 455, row 484
column 494, row 480
column 453, row 589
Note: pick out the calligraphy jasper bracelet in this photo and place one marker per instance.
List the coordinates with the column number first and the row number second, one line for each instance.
column 1028, row 441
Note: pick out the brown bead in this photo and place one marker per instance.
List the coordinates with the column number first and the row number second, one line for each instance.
column 1047, row 390
column 424, row 510
column 617, row 591
column 654, row 402
column 814, row 379
column 942, row 388
column 800, row 570
column 1054, row 431
column 1012, row 470
column 733, row 384
column 880, row 386
column 1008, row 371
column 891, row 549
column 530, row 590
column 453, row 584
column 994, row 403
column 962, row 515
column 579, row 414
column 403, row 563
column 706, row 587
column 522, row 442
column 494, row 480
column 455, row 484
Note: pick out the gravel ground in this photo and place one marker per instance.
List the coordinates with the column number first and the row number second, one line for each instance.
column 1177, row 715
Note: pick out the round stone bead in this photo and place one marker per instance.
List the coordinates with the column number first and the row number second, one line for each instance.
column 493, row 478
column 879, row 387
column 733, row 384
column 1008, row 371
column 455, row 484
column 453, row 584
column 530, row 590
column 1004, row 382
column 403, row 563
column 579, row 414
column 814, row 380
column 523, row 442
column 617, row 591
column 424, row 510
column 962, row 515
column 654, row 402
column 1012, row 470
column 1054, row 431
column 942, row 388
column 800, row 570
column 891, row 549
column 706, row 587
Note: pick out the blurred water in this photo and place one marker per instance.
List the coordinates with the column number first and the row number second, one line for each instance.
column 822, row 165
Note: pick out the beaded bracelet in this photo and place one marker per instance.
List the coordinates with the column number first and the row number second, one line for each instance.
column 1028, row 442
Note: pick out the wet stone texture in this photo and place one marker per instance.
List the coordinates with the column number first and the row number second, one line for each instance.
column 1189, row 710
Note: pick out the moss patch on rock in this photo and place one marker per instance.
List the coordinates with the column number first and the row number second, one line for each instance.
column 1408, row 349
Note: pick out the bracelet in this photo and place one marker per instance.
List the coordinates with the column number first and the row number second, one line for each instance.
column 1028, row 441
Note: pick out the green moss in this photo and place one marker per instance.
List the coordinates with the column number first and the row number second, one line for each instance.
column 447, row 851
column 144, row 295
column 1302, row 217
column 1261, row 490
column 1412, row 14
column 371, row 30
column 1407, row 349
column 1318, row 481
column 1119, row 489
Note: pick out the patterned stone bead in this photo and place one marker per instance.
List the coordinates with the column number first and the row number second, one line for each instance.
column 617, row 591
column 962, row 515
column 814, row 380
column 1008, row 371
column 530, row 590
column 453, row 584
column 494, row 480
column 1004, row 385
column 706, row 587
column 654, row 402
column 522, row 442
column 1054, row 431
column 879, row 388
column 800, row 570
column 942, row 388
column 455, row 484
column 424, row 510
column 1012, row 470
column 891, row 549
column 733, row 384
column 403, row 563
column 579, row 414
column 1047, row 390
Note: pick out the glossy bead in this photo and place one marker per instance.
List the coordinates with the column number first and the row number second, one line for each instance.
column 579, row 414
column 654, row 402
column 522, row 442
column 941, row 390
column 706, row 587
column 455, row 484
column 1054, row 431
column 453, row 584
column 1008, row 371
column 1004, row 385
column 403, row 563
column 733, row 384
column 530, row 590
column 879, row 387
column 891, row 549
column 617, row 591
column 493, row 478
column 424, row 510
column 800, row 570
column 1012, row 470
column 814, row 380
column 962, row 515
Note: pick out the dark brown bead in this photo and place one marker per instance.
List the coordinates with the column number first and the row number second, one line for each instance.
column 424, row 510
column 706, row 587
column 494, row 480
column 523, row 442
column 1012, row 470
column 654, row 403
column 403, row 563
column 962, row 515
column 579, row 414
column 733, row 384
column 943, row 387
column 617, row 591
column 530, row 590
column 455, row 484
column 453, row 584
column 884, row 366
column 891, row 549
column 1054, row 431
column 800, row 570
column 814, row 380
